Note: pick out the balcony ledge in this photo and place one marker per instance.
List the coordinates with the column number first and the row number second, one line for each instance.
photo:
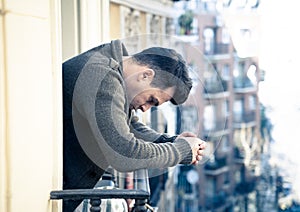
column 218, row 95
column 245, row 90
column 80, row 194
column 217, row 171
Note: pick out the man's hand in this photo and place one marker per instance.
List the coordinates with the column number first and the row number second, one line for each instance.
column 187, row 134
column 198, row 146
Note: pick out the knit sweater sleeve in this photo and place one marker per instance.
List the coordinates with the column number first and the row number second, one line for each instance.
column 99, row 97
column 146, row 133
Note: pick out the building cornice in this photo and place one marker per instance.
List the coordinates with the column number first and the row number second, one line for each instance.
column 150, row 6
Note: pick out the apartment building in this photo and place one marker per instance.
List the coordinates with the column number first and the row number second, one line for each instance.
column 224, row 111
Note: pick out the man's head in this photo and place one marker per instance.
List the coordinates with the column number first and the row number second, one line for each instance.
column 167, row 75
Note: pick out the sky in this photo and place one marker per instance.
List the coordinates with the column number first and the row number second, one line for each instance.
column 279, row 56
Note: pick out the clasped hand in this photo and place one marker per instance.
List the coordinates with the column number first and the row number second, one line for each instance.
column 198, row 146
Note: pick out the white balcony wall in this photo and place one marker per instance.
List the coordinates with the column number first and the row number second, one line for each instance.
column 3, row 161
column 85, row 24
column 30, row 107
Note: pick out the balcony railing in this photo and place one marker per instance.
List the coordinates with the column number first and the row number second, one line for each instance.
column 216, row 164
column 218, row 48
column 221, row 48
column 95, row 196
column 215, row 87
column 241, row 84
column 216, row 201
column 245, row 117
column 239, row 154
column 220, row 128
column 141, row 194
column 245, row 187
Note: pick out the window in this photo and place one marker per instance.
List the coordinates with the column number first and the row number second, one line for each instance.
column 238, row 176
column 225, row 36
column 226, row 178
column 241, row 68
column 238, row 110
column 225, row 144
column 189, row 118
column 225, row 108
column 210, row 187
column 209, row 117
column 208, row 35
column 252, row 103
column 226, row 72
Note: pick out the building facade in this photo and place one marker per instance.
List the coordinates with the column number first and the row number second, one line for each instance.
column 224, row 110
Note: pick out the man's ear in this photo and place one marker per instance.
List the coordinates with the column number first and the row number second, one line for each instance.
column 147, row 75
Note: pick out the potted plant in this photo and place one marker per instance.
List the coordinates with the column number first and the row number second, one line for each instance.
column 185, row 22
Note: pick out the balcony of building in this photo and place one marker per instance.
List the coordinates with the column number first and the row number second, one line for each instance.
column 216, row 166
column 217, row 49
column 239, row 155
column 217, row 202
column 244, row 119
column 216, row 89
column 186, row 27
column 243, row 85
column 246, row 186
column 218, row 128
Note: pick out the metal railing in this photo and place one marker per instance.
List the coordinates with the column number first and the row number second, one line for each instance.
column 216, row 164
column 140, row 194
column 242, row 82
column 221, row 126
column 218, row 49
column 244, row 117
column 216, row 86
column 216, row 201
column 246, row 186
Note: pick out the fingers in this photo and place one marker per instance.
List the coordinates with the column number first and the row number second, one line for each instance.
column 202, row 145
column 199, row 157
column 200, row 153
column 197, row 146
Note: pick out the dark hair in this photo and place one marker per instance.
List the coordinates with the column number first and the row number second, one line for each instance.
column 170, row 70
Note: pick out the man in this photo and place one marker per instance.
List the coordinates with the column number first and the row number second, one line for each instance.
column 102, row 88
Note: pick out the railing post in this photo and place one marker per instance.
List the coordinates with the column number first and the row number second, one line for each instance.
column 141, row 182
column 140, row 206
column 95, row 205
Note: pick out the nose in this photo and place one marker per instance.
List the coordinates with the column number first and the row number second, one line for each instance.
column 145, row 107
